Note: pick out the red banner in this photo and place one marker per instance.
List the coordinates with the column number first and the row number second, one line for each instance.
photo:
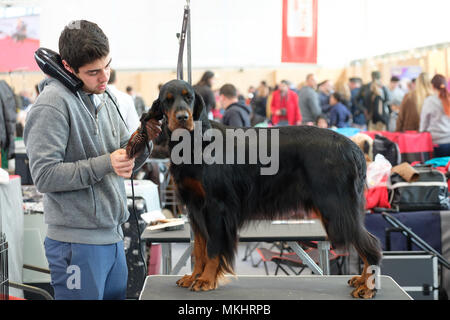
column 299, row 39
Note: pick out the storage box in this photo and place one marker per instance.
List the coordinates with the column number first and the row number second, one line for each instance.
column 415, row 271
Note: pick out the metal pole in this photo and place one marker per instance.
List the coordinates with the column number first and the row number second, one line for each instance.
column 189, row 66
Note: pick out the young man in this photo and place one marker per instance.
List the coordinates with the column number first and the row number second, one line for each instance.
column 75, row 146
column 236, row 114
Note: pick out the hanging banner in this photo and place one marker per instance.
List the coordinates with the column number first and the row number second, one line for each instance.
column 19, row 39
column 299, row 39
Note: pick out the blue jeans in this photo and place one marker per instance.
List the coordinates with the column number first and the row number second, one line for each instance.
column 87, row 272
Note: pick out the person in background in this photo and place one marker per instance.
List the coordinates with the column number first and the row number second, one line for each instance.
column 340, row 116
column 284, row 106
column 342, row 87
column 322, row 122
column 371, row 95
column 435, row 116
column 309, row 100
column 411, row 106
column 204, row 89
column 396, row 95
column 357, row 110
column 237, row 114
column 126, row 104
column 259, row 102
column 325, row 89
column 139, row 103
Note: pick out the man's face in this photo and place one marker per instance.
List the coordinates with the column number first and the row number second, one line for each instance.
column 312, row 82
column 95, row 75
column 284, row 87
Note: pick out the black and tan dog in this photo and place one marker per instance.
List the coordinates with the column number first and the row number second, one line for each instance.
column 320, row 172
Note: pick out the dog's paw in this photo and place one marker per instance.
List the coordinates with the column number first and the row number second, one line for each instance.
column 203, row 285
column 364, row 292
column 186, row 281
column 356, row 281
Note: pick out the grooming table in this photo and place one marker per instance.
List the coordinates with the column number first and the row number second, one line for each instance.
column 289, row 231
column 160, row 287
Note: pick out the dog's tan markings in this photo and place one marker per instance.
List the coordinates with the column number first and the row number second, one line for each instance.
column 208, row 280
column 194, row 186
column 172, row 120
column 199, row 254
column 173, row 123
column 184, row 92
column 360, row 283
column 169, row 96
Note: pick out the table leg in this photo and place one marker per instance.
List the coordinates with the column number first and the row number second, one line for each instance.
column 324, row 249
column 183, row 259
column 305, row 257
column 166, row 257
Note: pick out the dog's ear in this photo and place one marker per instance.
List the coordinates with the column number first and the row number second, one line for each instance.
column 155, row 112
column 199, row 108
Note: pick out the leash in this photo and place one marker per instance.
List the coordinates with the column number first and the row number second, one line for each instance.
column 183, row 36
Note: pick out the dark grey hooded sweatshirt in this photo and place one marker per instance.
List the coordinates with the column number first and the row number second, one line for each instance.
column 69, row 144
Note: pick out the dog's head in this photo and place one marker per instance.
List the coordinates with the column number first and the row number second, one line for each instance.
column 180, row 105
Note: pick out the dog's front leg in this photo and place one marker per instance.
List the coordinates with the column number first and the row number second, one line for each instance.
column 199, row 262
column 208, row 280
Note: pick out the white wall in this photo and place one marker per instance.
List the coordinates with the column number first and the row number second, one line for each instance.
column 247, row 33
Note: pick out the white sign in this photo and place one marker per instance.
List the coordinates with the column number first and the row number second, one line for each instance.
column 300, row 18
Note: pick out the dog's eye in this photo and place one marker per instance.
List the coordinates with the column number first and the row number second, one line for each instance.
column 188, row 98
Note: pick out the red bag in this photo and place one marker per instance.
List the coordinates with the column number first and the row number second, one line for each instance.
column 377, row 198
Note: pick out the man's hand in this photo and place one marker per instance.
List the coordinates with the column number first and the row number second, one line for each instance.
column 123, row 166
column 153, row 127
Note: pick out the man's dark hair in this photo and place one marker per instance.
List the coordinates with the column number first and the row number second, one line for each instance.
column 376, row 75
column 228, row 90
column 395, row 79
column 112, row 77
column 82, row 42
column 337, row 96
column 355, row 80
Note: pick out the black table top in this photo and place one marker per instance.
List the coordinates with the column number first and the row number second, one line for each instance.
column 267, row 231
column 160, row 287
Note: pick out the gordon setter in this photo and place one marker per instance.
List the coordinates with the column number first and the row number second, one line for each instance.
column 320, row 172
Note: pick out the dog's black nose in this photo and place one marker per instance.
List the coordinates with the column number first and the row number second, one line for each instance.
column 182, row 115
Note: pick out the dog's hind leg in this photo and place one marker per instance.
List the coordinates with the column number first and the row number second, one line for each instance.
column 199, row 254
column 344, row 224
column 369, row 251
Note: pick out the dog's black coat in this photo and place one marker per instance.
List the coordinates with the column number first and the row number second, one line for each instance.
column 319, row 171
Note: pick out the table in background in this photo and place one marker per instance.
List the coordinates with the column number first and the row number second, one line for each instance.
column 260, row 231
